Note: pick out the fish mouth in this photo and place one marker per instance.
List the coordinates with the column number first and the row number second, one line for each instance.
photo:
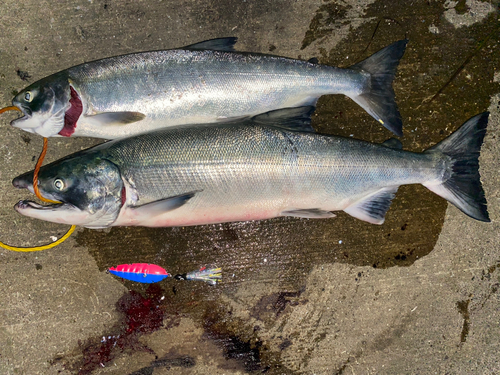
column 23, row 121
column 27, row 205
column 60, row 213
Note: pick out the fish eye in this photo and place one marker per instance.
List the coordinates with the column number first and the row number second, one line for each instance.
column 59, row 184
column 28, row 96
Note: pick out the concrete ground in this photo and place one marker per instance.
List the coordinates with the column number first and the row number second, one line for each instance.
column 419, row 294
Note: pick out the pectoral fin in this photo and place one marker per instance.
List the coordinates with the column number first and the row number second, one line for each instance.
column 311, row 213
column 161, row 206
column 373, row 207
column 218, row 44
column 115, row 118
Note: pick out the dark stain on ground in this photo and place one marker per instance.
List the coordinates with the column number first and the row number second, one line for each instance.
column 26, row 139
column 461, row 7
column 167, row 362
column 286, row 249
column 463, row 308
column 271, row 306
column 245, row 349
column 25, row 76
column 323, row 24
column 391, row 335
column 141, row 314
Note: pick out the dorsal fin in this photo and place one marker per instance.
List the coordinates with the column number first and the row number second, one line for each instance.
column 313, row 60
column 393, row 143
column 218, row 44
column 295, row 119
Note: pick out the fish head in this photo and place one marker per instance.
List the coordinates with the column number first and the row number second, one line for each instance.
column 90, row 190
column 44, row 105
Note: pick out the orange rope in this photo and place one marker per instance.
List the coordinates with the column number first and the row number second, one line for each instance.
column 37, row 192
column 37, row 169
column 12, row 108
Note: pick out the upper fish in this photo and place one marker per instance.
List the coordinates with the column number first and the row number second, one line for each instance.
column 207, row 82
column 190, row 175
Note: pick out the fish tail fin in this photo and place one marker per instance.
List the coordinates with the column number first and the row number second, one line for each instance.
column 463, row 186
column 379, row 99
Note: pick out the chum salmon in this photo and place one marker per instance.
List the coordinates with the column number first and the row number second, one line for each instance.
column 207, row 82
column 251, row 170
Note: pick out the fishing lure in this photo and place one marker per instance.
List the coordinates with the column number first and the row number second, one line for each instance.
column 151, row 273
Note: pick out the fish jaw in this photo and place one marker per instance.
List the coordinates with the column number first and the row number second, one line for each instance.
column 46, row 127
column 61, row 213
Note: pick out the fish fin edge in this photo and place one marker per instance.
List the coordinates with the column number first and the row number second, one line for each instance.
column 161, row 206
column 294, row 118
column 308, row 213
column 217, row 44
column 373, row 207
column 379, row 101
column 115, row 118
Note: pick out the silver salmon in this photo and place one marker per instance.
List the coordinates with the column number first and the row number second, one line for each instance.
column 250, row 171
column 207, row 82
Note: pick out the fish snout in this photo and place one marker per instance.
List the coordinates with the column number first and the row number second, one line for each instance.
column 22, row 182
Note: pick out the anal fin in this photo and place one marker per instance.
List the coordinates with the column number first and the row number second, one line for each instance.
column 295, row 118
column 310, row 213
column 373, row 207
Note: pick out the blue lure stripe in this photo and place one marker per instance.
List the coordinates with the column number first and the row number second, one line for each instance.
column 139, row 277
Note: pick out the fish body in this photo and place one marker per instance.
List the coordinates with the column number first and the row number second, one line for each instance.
column 211, row 174
column 203, row 83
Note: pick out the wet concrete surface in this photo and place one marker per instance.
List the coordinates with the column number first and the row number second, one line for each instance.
column 418, row 294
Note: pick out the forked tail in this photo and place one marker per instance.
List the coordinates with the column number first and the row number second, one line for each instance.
column 463, row 186
column 379, row 99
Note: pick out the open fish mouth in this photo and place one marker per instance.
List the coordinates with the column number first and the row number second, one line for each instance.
column 61, row 213
column 26, row 205
column 23, row 121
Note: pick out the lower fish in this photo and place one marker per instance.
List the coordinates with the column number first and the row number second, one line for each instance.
column 251, row 171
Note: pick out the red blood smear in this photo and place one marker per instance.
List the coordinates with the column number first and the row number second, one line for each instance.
column 141, row 315
column 72, row 114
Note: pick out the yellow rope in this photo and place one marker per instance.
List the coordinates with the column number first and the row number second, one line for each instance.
column 37, row 192
column 43, row 247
